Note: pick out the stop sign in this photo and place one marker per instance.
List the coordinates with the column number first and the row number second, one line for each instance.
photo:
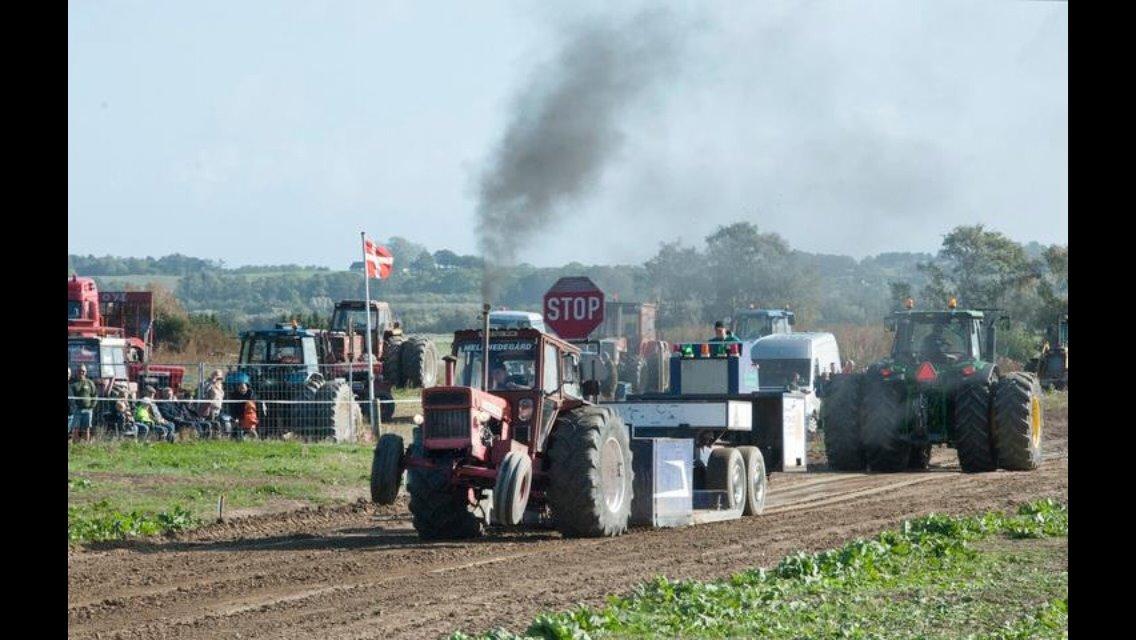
column 573, row 307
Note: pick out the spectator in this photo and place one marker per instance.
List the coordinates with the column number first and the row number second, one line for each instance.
column 121, row 420
column 83, row 406
column 213, row 393
column 69, row 400
column 162, row 428
column 248, row 422
column 181, row 415
column 142, row 420
column 236, row 401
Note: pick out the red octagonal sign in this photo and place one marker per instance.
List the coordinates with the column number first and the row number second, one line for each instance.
column 574, row 307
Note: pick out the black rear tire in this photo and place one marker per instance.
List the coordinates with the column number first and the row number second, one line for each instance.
column 972, row 428
column 440, row 512
column 392, row 360
column 886, row 448
column 1017, row 422
column 631, row 368
column 386, row 469
column 419, row 360
column 333, row 409
column 840, row 421
column 590, row 485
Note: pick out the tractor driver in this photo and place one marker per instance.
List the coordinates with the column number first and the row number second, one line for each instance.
column 936, row 345
column 499, row 378
column 722, row 333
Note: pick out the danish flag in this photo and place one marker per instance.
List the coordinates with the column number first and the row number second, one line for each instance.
column 379, row 260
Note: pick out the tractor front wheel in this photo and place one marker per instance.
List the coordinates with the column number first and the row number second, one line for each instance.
column 386, row 469
column 440, row 511
column 1017, row 422
column 590, row 486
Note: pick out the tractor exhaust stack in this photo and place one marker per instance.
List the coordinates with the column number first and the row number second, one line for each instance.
column 485, row 346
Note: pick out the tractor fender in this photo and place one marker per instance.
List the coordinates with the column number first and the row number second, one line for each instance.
column 988, row 373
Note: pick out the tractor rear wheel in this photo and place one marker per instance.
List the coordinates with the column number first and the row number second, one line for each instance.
column 972, row 428
column 440, row 511
column 386, row 469
column 392, row 359
column 419, row 367
column 337, row 412
column 590, row 486
column 1017, row 422
column 655, row 373
column 386, row 407
column 631, row 368
column 886, row 447
column 840, row 421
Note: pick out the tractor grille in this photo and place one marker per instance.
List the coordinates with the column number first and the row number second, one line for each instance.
column 447, row 423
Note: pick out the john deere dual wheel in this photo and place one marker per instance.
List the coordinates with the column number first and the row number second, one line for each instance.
column 972, row 428
column 840, row 421
column 1017, row 422
column 886, row 448
column 590, row 487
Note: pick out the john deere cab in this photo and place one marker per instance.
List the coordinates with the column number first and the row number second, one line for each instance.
column 940, row 385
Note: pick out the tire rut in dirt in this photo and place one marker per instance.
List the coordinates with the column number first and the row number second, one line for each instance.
column 582, row 503
column 840, row 417
column 972, row 428
column 439, row 511
column 1016, row 407
column 887, row 449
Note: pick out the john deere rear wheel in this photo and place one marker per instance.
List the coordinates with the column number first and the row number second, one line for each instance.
column 886, row 447
column 1017, row 422
column 972, row 428
column 840, row 421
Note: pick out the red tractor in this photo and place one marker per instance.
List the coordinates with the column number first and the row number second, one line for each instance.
column 408, row 361
column 511, row 439
column 642, row 357
column 97, row 321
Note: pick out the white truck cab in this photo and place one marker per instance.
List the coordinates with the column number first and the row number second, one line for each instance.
column 518, row 320
column 796, row 359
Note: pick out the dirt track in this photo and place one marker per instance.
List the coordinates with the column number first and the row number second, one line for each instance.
column 361, row 573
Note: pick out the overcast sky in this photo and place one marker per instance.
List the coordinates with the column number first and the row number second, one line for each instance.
column 262, row 132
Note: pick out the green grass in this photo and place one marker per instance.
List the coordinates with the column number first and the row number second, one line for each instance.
column 995, row 576
column 123, row 489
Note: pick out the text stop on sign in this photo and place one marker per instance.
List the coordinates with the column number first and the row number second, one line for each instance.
column 573, row 307
column 570, row 308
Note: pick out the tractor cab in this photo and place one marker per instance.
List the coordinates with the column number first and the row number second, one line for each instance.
column 751, row 324
column 532, row 376
column 105, row 358
column 274, row 358
column 937, row 336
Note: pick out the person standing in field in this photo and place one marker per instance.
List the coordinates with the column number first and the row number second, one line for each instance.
column 84, row 393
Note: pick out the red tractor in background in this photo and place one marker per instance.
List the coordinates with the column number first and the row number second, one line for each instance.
column 98, row 321
column 641, row 358
column 407, row 361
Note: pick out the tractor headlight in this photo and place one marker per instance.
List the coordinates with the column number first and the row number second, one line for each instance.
column 483, row 416
column 418, row 419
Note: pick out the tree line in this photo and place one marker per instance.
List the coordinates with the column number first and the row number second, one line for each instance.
column 733, row 267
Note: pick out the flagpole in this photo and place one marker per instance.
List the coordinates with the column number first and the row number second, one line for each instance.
column 376, row 418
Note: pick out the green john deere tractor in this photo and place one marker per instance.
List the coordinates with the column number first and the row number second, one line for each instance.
column 940, row 385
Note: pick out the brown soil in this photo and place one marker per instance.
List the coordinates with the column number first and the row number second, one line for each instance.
column 360, row 572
